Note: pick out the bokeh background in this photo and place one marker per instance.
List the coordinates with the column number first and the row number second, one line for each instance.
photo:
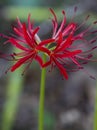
column 69, row 105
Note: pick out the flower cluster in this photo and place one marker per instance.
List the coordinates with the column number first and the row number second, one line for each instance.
column 67, row 49
column 27, row 41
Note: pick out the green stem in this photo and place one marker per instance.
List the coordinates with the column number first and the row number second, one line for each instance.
column 95, row 112
column 42, row 97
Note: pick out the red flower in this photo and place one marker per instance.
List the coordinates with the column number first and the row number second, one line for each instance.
column 27, row 40
column 69, row 47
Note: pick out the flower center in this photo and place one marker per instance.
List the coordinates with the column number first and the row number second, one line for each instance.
column 51, row 46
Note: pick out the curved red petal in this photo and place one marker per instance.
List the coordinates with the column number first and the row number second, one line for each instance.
column 39, row 59
column 20, row 62
column 16, row 44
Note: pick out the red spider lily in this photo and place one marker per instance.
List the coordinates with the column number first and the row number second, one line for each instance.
column 27, row 41
column 58, row 56
column 70, row 47
column 66, row 49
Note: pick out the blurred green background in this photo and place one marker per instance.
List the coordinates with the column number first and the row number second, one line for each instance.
column 69, row 105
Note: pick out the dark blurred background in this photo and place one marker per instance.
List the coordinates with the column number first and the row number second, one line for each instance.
column 69, row 105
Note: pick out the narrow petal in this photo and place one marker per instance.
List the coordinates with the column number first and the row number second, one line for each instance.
column 66, row 44
column 17, row 31
column 30, row 25
column 46, row 64
column 73, row 53
column 39, row 59
column 62, row 24
column 20, row 62
column 27, row 38
column 55, row 26
column 35, row 31
column 59, row 41
column 69, row 54
column 75, row 61
column 69, row 29
column 43, row 49
column 19, row 23
column 16, row 44
column 55, row 18
column 54, row 21
column 61, row 68
column 45, row 42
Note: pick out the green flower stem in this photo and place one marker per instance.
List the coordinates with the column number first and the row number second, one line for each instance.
column 42, row 97
column 95, row 111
